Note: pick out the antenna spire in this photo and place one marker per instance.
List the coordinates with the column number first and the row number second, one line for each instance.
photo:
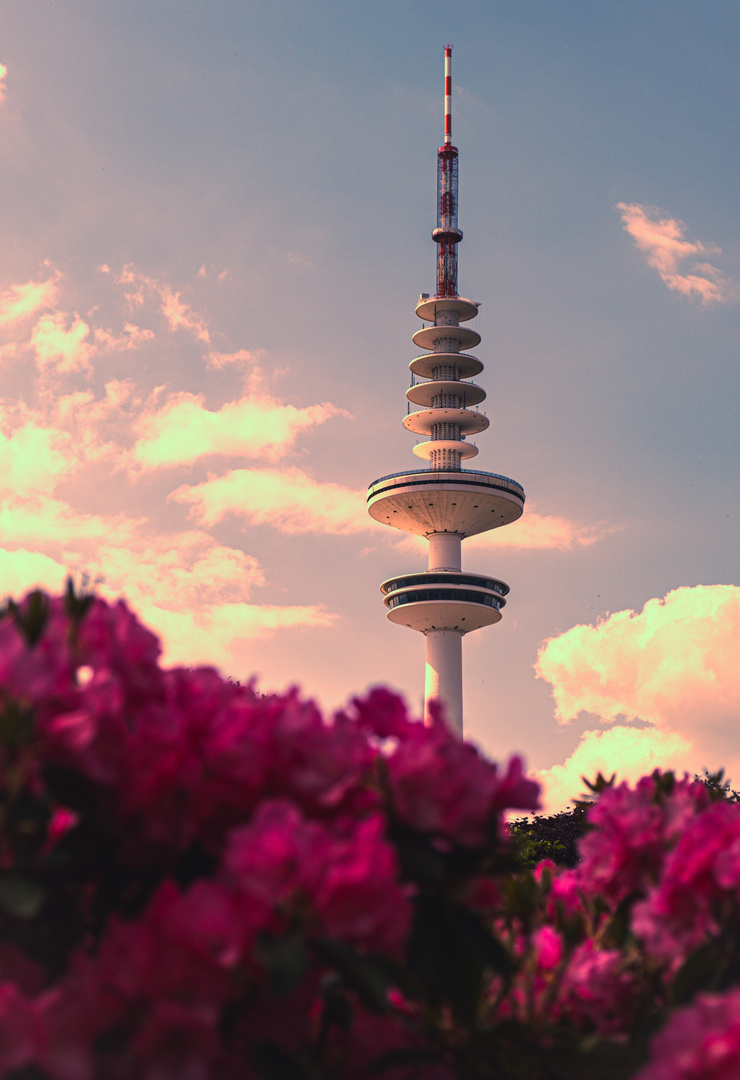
column 447, row 234
column 448, row 93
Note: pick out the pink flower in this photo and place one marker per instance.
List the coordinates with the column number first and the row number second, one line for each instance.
column 314, row 763
column 370, row 1038
column 181, row 950
column 18, row 1029
column 596, row 992
column 383, row 713
column 276, row 855
column 282, row 862
column 631, row 834
column 548, row 948
column 699, row 1042
column 442, row 785
column 358, row 897
column 69, row 1016
column 704, row 867
column 178, row 1042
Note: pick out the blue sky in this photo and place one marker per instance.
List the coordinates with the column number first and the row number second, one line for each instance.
column 197, row 421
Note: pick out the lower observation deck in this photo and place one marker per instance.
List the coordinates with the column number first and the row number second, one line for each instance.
column 428, row 501
column 446, row 600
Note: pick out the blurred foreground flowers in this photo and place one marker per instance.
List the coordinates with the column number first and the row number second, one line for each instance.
column 200, row 882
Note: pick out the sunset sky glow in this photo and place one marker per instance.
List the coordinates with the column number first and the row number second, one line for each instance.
column 216, row 224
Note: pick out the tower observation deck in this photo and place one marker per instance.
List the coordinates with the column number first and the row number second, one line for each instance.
column 442, row 501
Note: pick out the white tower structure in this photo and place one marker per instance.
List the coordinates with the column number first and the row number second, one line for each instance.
column 444, row 502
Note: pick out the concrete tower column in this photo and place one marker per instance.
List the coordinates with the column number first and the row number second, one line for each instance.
column 445, row 551
column 444, row 675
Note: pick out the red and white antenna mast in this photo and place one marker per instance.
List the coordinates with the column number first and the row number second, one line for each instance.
column 447, row 234
column 448, row 93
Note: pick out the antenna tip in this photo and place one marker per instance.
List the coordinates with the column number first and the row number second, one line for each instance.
column 449, row 48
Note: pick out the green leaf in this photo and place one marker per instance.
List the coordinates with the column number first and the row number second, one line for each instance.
column 366, row 975
column 31, row 618
column 21, row 896
column 473, row 933
column 286, row 961
column 16, row 724
column 703, row 969
column 450, row 950
column 77, row 605
column 609, row 1060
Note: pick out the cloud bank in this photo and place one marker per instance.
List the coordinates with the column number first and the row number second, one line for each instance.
column 672, row 666
column 76, row 436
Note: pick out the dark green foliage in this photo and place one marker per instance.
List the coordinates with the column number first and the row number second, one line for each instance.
column 719, row 788
column 553, row 837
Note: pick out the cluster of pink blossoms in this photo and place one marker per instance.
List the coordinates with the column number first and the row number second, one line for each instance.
column 252, row 838
column 200, row 882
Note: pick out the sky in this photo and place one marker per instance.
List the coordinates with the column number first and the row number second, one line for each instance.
column 216, row 224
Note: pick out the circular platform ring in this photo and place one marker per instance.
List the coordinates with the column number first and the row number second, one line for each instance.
column 467, row 366
column 423, row 393
column 445, row 579
column 428, row 336
column 422, row 422
column 430, row 501
column 428, row 307
column 450, row 235
column 466, row 450
column 460, row 615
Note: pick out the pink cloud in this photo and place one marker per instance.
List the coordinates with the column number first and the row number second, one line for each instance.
column 21, row 302
column 533, row 531
column 220, row 634
column 543, row 531
column 66, row 451
column 663, row 241
column 672, row 665
column 178, row 314
column 288, row 499
column 34, row 458
column 56, row 528
column 183, row 430
column 133, row 337
column 630, row 752
column 3, row 76
column 59, row 347
column 241, row 356
column 21, row 570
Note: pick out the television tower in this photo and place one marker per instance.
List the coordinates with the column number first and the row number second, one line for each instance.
column 444, row 502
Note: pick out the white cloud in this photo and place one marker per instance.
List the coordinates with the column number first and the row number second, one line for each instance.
column 178, row 314
column 184, row 430
column 664, row 242
column 63, row 348
column 672, row 665
column 630, row 752
column 23, row 301
column 22, row 570
column 285, row 498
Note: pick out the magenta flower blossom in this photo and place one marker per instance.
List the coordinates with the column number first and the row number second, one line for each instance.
column 699, row 1042
column 443, row 786
column 632, row 833
column 199, row 882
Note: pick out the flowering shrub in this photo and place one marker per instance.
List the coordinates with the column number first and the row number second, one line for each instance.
column 200, row 882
